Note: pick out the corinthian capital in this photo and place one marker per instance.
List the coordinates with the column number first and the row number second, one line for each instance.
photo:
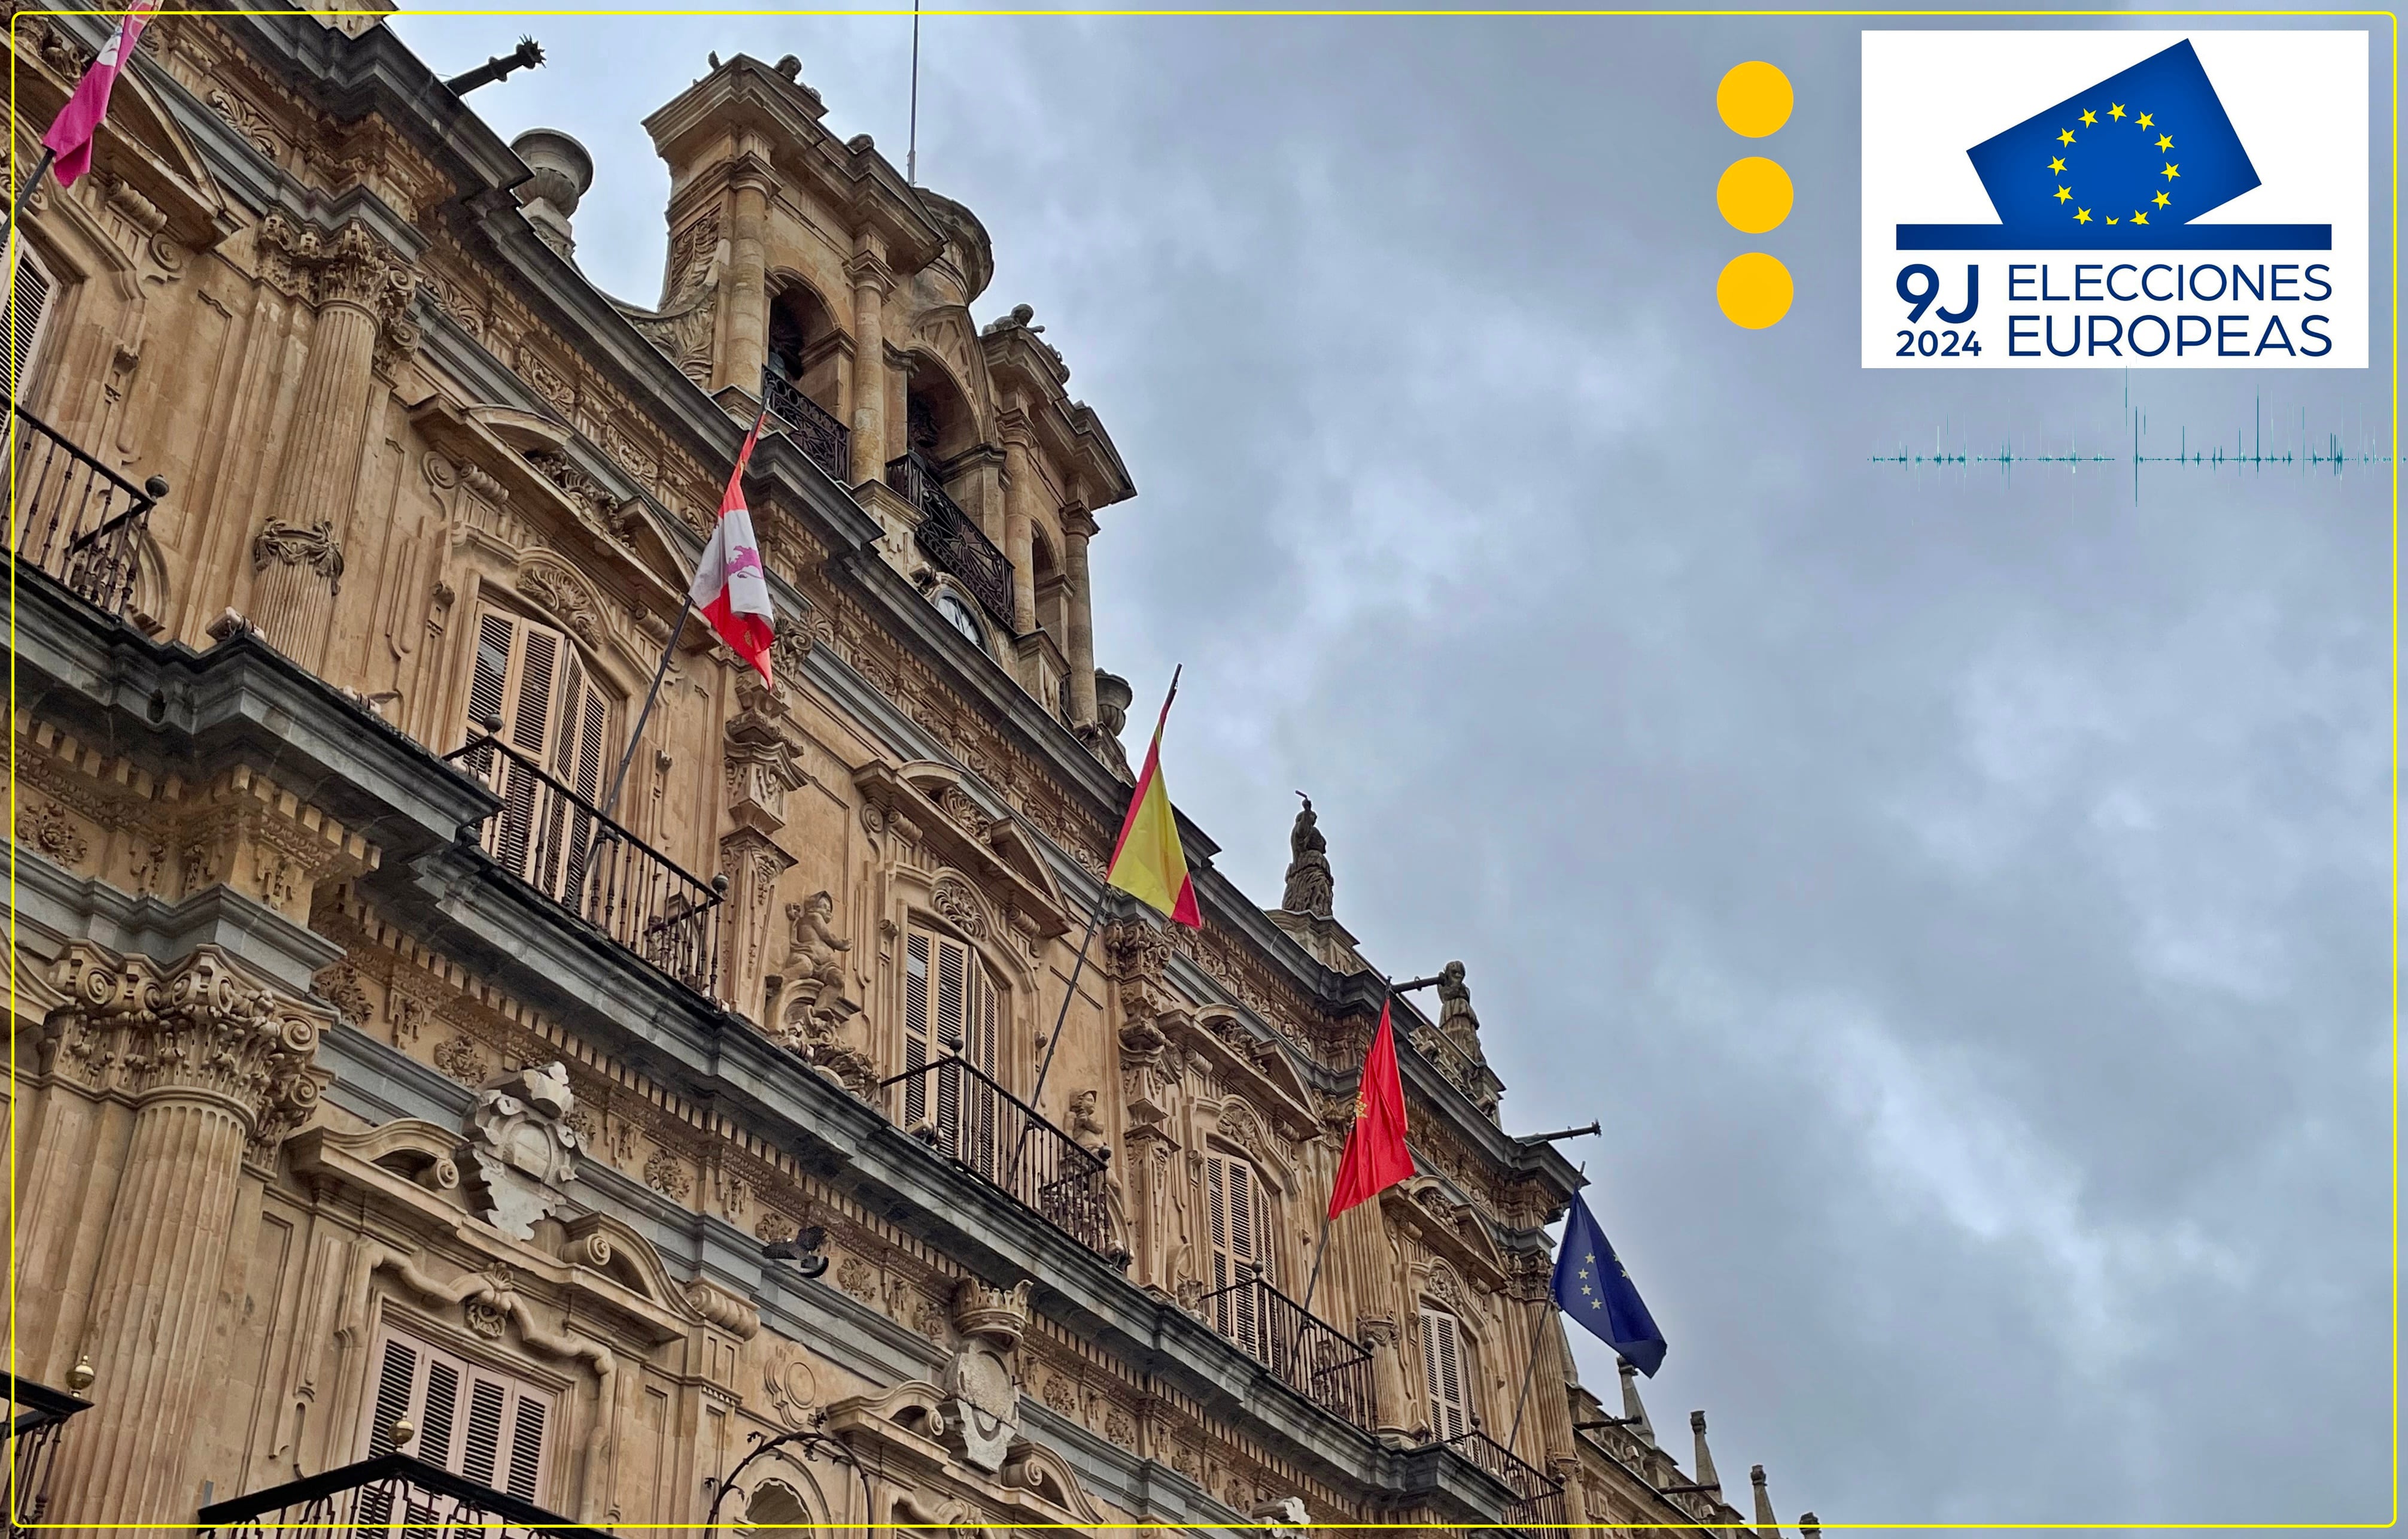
column 201, row 1025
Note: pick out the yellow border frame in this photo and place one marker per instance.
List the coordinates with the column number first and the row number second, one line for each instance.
column 2392, row 1522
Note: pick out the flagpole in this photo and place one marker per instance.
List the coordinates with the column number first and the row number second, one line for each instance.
column 635, row 733
column 1522, row 1398
column 26, row 189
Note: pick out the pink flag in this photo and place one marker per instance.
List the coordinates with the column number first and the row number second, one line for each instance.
column 729, row 584
column 70, row 136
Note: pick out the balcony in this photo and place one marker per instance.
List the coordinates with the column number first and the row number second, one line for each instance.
column 559, row 843
column 393, row 1494
column 1000, row 1139
column 75, row 518
column 823, row 440
column 1305, row 1353
column 1537, row 1496
column 36, row 1416
column 953, row 539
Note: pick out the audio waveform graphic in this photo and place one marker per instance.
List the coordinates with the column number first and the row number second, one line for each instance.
column 2302, row 451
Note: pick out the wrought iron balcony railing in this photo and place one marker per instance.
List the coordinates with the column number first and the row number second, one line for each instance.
column 75, row 518
column 953, row 539
column 559, row 843
column 825, row 441
column 1537, row 1496
column 393, row 1494
column 1308, row 1354
column 37, row 1414
column 1004, row 1141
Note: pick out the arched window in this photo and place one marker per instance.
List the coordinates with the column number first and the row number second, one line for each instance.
column 1446, row 1371
column 961, row 616
column 773, row 1506
column 556, row 719
column 1238, row 1228
column 951, row 1005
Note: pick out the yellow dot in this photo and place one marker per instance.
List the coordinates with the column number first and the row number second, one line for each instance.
column 1755, row 290
column 1755, row 99
column 1754, row 194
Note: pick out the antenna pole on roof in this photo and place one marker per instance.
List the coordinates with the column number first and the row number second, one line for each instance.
column 911, row 153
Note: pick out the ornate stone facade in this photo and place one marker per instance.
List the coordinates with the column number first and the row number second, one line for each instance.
column 384, row 1003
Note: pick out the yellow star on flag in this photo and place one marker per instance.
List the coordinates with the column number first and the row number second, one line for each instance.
column 2161, row 200
column 2140, row 218
column 2066, row 137
column 2062, row 195
column 2143, row 121
column 2172, row 171
column 2111, row 219
column 2082, row 216
column 2165, row 142
column 2089, row 119
column 2117, row 111
column 2057, row 166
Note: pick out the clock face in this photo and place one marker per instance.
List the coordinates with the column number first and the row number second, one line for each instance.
column 958, row 614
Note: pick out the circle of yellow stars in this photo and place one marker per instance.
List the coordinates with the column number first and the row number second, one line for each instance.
column 2117, row 113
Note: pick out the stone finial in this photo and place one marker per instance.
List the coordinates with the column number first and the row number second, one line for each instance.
column 1103, row 738
column 563, row 172
column 1704, row 1475
column 1310, row 888
column 1810, row 1526
column 525, row 1150
column 1633, row 1412
column 1767, row 1526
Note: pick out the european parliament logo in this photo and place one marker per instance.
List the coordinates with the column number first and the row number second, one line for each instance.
column 2116, row 199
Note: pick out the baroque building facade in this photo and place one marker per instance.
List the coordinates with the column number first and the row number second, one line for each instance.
column 423, row 1095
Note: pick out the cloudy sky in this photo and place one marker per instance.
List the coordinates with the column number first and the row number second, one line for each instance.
column 1962, row 895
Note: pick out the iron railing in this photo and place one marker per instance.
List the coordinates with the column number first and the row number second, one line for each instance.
column 393, row 1494
column 1005, row 1142
column 75, row 518
column 562, row 845
column 953, row 539
column 824, row 440
column 1307, row 1353
column 1537, row 1496
column 36, row 1414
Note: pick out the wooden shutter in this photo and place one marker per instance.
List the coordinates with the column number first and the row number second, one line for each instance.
column 485, row 1426
column 950, row 1005
column 29, row 304
column 1233, row 1199
column 1443, row 1371
column 555, row 716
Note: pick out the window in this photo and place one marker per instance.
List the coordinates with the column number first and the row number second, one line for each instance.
column 958, row 614
column 951, row 1005
column 1237, row 1225
column 29, row 303
column 477, row 1423
column 1446, row 1371
column 532, row 678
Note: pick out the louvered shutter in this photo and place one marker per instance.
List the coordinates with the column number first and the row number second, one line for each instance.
column 29, row 303
column 950, row 1007
column 1443, row 1372
column 484, row 1426
column 916, row 1051
column 553, row 715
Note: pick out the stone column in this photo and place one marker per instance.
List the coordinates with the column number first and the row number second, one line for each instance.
column 214, row 1063
column 747, row 284
column 871, row 284
column 1077, row 528
column 1018, row 530
column 297, row 559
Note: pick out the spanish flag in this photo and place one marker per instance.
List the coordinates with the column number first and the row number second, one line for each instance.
column 1148, row 863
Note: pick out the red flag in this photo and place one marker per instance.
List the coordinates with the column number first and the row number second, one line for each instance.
column 1376, row 1157
column 79, row 123
column 729, row 585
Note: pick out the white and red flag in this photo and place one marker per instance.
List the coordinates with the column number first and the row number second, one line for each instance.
column 79, row 123
column 729, row 586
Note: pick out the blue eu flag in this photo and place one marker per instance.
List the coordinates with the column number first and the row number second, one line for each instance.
column 2126, row 164
column 1591, row 1286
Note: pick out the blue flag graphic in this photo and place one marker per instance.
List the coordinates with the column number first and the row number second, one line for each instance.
column 1591, row 1286
column 2124, row 165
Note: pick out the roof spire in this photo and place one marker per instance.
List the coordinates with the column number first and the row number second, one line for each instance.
column 1705, row 1475
column 1634, row 1414
column 1767, row 1526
